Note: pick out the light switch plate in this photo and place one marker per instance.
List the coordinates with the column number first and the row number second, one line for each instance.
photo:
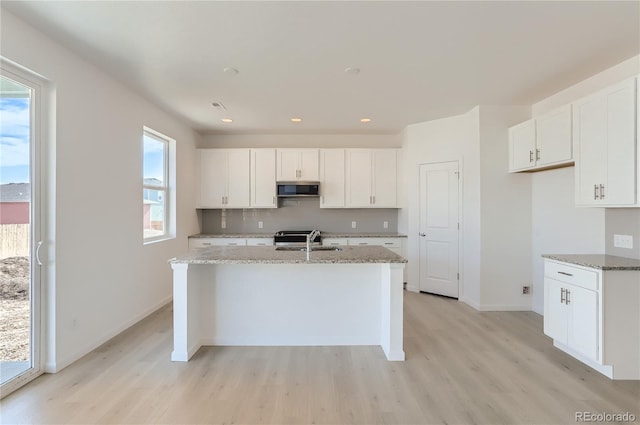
column 385, row 224
column 260, row 224
column 623, row 241
column 353, row 224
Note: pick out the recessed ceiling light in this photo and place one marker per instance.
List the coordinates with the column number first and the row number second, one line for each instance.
column 365, row 120
column 295, row 119
column 227, row 120
column 231, row 71
column 352, row 70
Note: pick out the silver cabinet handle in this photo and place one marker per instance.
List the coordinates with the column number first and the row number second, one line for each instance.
column 38, row 253
column 530, row 156
column 206, row 243
column 374, row 199
column 563, row 295
column 565, row 273
column 595, row 191
column 274, row 200
column 422, row 234
column 233, row 243
column 537, row 154
column 601, row 191
column 567, row 299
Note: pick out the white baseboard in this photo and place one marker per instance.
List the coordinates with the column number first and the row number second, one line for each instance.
column 470, row 302
column 57, row 366
column 412, row 288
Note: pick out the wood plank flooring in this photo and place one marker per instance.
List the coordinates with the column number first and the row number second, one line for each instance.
column 462, row 367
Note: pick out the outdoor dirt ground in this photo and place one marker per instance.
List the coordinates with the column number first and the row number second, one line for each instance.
column 14, row 309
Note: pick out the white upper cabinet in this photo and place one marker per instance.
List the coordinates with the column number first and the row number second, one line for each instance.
column 332, row 170
column 605, row 145
column 263, row 178
column 297, row 165
column 371, row 178
column 553, row 138
column 224, row 178
column 541, row 143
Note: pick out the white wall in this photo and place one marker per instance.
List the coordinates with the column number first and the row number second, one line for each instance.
column 505, row 214
column 449, row 139
column 496, row 208
column 102, row 278
column 301, row 141
column 557, row 225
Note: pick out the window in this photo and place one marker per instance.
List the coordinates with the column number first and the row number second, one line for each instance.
column 158, row 161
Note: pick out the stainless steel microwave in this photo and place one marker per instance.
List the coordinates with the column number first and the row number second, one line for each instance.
column 298, row 189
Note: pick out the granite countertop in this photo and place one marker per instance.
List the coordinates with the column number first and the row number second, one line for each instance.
column 597, row 261
column 324, row 235
column 232, row 235
column 269, row 255
column 329, row 235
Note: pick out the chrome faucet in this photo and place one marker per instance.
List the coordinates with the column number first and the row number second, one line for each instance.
column 310, row 237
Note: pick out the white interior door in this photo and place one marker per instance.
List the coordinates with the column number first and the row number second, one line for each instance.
column 439, row 228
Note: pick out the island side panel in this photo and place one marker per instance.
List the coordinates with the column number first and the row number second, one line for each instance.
column 186, row 330
column 291, row 304
column 392, row 311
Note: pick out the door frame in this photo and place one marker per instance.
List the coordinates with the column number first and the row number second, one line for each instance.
column 460, row 161
column 38, row 235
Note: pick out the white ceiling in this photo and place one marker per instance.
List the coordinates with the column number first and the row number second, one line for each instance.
column 419, row 60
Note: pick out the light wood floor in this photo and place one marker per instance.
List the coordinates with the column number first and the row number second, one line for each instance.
column 462, row 367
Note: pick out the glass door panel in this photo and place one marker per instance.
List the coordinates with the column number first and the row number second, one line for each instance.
column 19, row 235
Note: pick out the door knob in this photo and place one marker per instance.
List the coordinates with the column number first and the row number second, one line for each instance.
column 423, row 234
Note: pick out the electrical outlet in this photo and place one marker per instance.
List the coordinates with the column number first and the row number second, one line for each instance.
column 223, row 224
column 385, row 224
column 260, row 225
column 623, row 241
column 526, row 290
column 353, row 224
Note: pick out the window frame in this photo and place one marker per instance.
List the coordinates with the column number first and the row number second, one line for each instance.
column 167, row 188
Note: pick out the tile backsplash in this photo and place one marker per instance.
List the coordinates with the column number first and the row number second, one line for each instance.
column 300, row 214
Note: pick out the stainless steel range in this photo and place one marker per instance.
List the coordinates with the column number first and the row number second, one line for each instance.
column 296, row 238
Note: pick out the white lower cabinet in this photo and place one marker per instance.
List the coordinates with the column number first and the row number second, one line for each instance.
column 259, row 241
column 593, row 315
column 207, row 242
column 391, row 243
column 334, row 241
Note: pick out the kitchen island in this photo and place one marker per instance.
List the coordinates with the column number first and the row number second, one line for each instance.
column 257, row 295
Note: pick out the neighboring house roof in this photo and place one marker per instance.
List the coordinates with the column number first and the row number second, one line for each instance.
column 153, row 182
column 15, row 192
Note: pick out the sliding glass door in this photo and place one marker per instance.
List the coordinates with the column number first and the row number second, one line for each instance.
column 20, row 230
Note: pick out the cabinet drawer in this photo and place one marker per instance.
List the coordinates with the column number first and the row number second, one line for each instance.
column 386, row 242
column 334, row 241
column 569, row 274
column 207, row 242
column 259, row 241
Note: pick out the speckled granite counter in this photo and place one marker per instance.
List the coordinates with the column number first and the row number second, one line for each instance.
column 362, row 235
column 232, row 235
column 269, row 255
column 597, row 261
column 324, row 235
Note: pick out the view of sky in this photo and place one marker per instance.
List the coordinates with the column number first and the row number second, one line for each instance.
column 14, row 140
column 153, row 161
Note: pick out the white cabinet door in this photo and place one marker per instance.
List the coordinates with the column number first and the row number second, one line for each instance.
column 224, row 178
column 605, row 147
column 384, row 180
column 288, row 164
column 259, row 241
column 334, row 241
column 263, row 178
column 582, row 327
column 553, row 137
column 238, row 178
column 213, row 178
column 309, row 165
column 358, row 181
column 332, row 170
column 297, row 165
column 555, row 311
column 522, row 146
